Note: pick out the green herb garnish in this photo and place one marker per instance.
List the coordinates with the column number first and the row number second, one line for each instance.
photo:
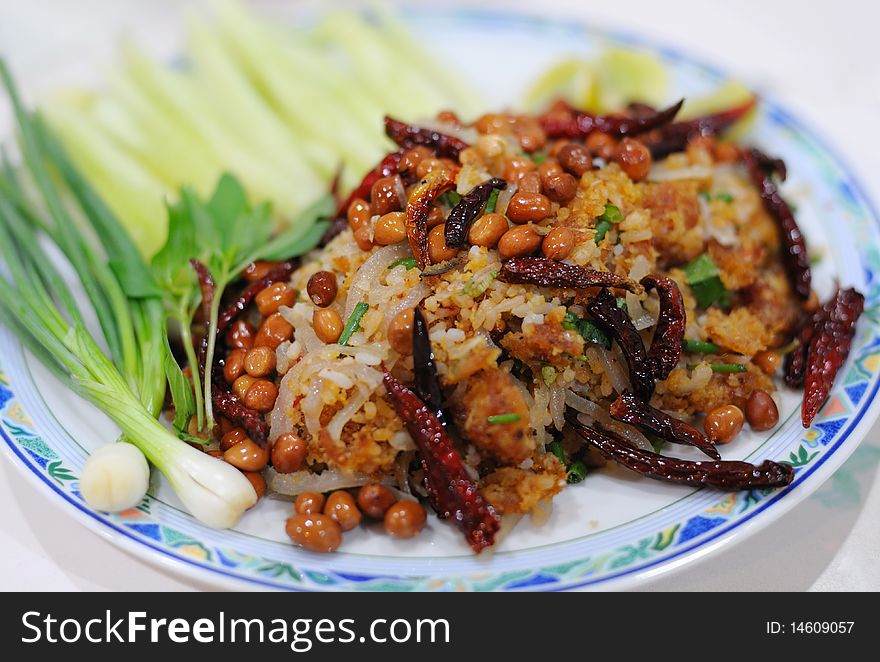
column 705, row 195
column 728, row 367
column 576, row 472
column 556, row 448
column 587, row 330
column 503, row 418
column 353, row 323
column 474, row 288
column 492, row 202
column 408, row 262
column 611, row 214
column 450, row 198
column 702, row 275
column 724, row 197
column 539, row 158
column 601, row 230
column 700, row 347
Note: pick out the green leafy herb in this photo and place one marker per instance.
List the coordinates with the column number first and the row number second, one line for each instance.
column 539, row 158
column 601, row 230
column 611, row 214
column 621, row 303
column 226, row 233
column 492, row 202
column 548, row 374
column 705, row 195
column 353, row 323
column 555, row 447
column 408, row 262
column 503, row 418
column 702, row 275
column 587, row 330
column 700, row 347
column 576, row 472
column 450, row 198
column 658, row 443
column 724, row 197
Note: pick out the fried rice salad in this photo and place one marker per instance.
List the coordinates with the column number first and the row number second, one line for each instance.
column 502, row 306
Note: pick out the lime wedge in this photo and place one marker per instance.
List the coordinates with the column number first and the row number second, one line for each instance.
column 728, row 95
column 573, row 80
column 630, row 76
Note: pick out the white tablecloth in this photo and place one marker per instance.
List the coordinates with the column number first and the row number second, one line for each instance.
column 820, row 61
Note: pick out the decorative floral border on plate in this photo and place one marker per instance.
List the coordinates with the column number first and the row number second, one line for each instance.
column 849, row 404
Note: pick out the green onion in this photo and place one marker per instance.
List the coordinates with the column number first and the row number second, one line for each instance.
column 492, row 202
column 702, row 275
column 130, row 388
column 576, row 472
column 408, row 262
column 539, row 158
column 474, row 288
column 556, row 448
column 586, row 329
column 353, row 323
column 700, row 347
column 611, row 214
column 601, row 230
column 705, row 195
column 724, row 197
column 621, row 303
column 728, row 367
column 450, row 198
column 503, row 418
column 548, row 374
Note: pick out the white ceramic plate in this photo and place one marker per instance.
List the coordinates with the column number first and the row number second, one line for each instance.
column 611, row 531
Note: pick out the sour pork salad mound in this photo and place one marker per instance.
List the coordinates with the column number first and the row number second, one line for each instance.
column 501, row 306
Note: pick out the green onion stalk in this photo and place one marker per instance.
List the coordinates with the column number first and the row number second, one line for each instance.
column 36, row 304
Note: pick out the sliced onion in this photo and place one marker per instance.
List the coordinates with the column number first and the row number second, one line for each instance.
column 307, row 481
column 557, row 404
column 370, row 274
column 640, row 317
column 612, row 367
column 595, row 413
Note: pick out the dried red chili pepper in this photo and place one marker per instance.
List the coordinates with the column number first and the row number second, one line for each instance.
column 794, row 256
column 468, row 208
column 629, row 409
column 669, row 333
column 224, row 400
column 833, row 330
column 229, row 314
column 770, row 164
column 579, row 124
column 427, row 379
column 236, row 411
column 208, row 288
column 724, row 474
column 546, row 272
column 674, row 137
column 386, row 168
column 796, row 360
column 616, row 323
column 408, row 136
column 435, row 184
column 448, row 483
